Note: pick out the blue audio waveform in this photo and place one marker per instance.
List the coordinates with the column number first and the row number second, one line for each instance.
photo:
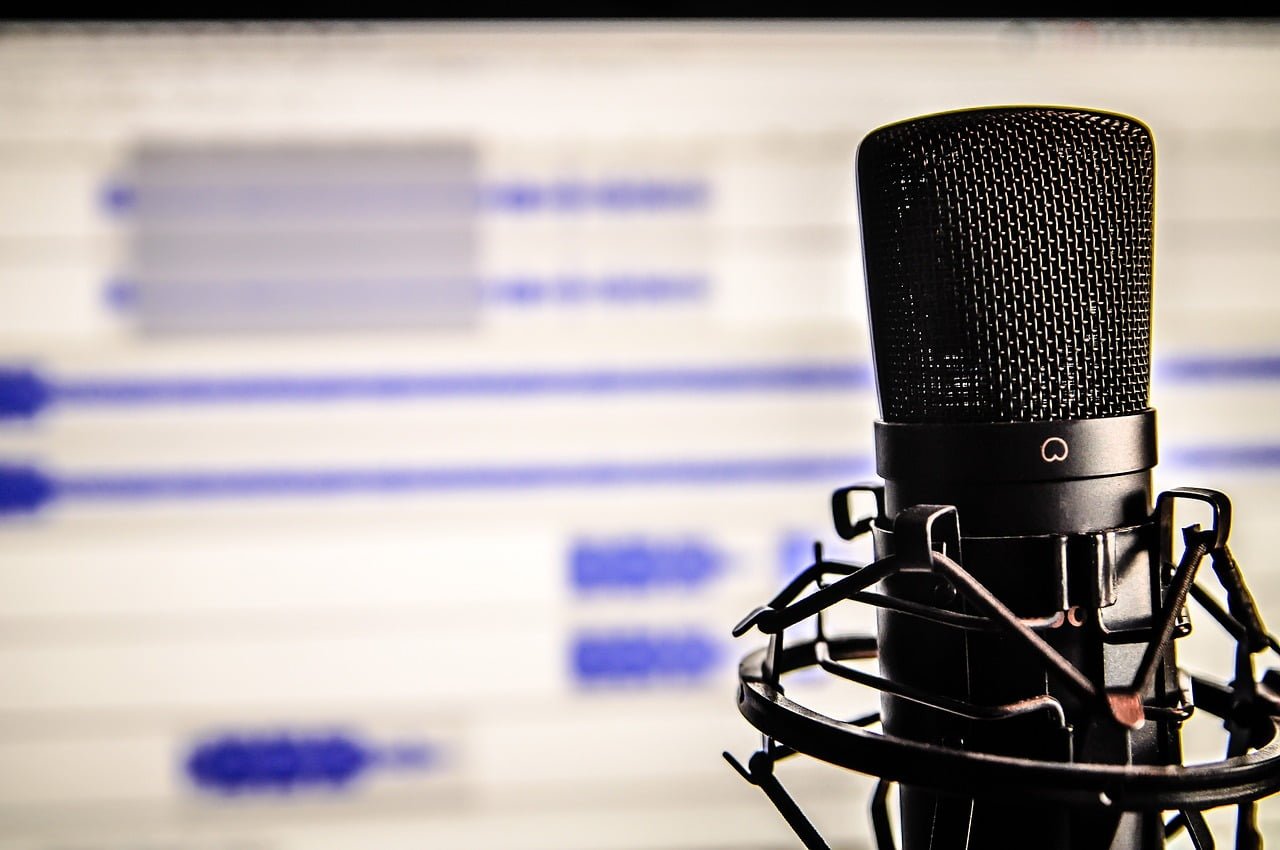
column 1235, row 456
column 118, row 198
column 559, row 196
column 1217, row 368
column 639, row 564
column 622, row 289
column 614, row 195
column 25, row 489
column 644, row 656
column 575, row 290
column 282, row 762
column 24, row 392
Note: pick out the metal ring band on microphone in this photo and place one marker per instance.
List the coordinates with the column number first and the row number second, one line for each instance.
column 1016, row 451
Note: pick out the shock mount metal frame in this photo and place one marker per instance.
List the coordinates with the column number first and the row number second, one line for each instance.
column 1249, row 708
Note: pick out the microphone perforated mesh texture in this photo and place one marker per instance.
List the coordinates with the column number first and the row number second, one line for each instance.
column 1008, row 256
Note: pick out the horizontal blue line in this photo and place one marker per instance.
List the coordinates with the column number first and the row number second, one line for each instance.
column 561, row 196
column 1212, row 369
column 739, row 378
column 1224, row 456
column 615, row 289
column 571, row 196
column 254, row 483
column 25, row 393
column 622, row 289
column 730, row 379
column 24, row 489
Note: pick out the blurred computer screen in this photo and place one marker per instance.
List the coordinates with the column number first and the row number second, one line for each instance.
column 394, row 418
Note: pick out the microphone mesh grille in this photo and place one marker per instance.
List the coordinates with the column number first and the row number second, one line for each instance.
column 1008, row 258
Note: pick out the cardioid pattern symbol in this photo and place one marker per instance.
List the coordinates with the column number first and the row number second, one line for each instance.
column 1054, row 450
column 1250, row 709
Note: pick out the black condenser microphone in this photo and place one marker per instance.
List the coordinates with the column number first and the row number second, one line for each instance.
column 1028, row 592
column 1008, row 256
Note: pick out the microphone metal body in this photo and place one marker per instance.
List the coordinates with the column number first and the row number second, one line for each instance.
column 1008, row 256
column 1028, row 592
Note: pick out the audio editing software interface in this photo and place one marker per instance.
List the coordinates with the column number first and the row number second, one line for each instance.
column 395, row 419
